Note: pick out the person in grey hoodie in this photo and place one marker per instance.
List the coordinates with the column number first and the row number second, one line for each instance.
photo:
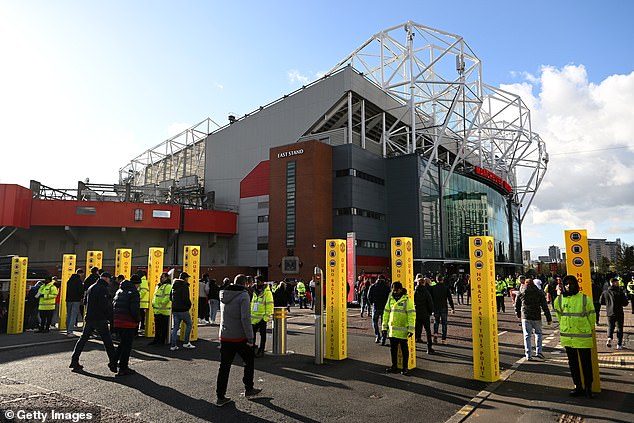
column 236, row 337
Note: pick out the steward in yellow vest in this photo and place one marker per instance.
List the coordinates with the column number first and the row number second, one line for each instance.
column 575, row 313
column 399, row 321
column 500, row 286
column 162, row 307
column 301, row 293
column 261, row 311
column 47, row 294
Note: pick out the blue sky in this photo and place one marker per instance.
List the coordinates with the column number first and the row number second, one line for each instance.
column 87, row 85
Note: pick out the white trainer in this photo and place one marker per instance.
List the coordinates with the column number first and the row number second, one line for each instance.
column 189, row 345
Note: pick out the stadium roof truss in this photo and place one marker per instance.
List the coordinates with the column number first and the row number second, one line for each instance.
column 448, row 114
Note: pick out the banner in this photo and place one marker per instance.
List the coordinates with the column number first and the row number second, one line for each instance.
column 93, row 259
column 578, row 265
column 403, row 272
column 68, row 268
column 336, row 305
column 351, row 262
column 486, row 356
column 191, row 266
column 17, row 294
column 154, row 270
column 123, row 263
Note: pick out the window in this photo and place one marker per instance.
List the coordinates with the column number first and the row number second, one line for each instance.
column 355, row 211
column 138, row 215
column 263, row 205
column 362, row 175
column 161, row 214
column 263, row 243
column 263, row 219
column 85, row 210
column 290, row 203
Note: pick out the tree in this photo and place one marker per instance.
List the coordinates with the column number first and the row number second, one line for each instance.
column 604, row 265
column 625, row 262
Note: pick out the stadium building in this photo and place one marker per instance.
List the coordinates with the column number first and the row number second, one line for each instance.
column 401, row 138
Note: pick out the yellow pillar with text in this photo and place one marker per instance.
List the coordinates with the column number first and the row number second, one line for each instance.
column 578, row 264
column 336, row 341
column 17, row 293
column 123, row 263
column 154, row 270
column 69, row 261
column 403, row 272
column 191, row 266
column 484, row 326
column 94, row 258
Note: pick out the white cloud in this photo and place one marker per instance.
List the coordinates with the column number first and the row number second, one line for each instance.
column 295, row 77
column 219, row 86
column 589, row 133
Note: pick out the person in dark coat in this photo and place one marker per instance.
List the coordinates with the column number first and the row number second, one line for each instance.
column 529, row 304
column 597, row 290
column 441, row 295
column 98, row 310
column 280, row 298
column 614, row 300
column 74, row 295
column 92, row 278
column 424, row 308
column 378, row 294
column 127, row 315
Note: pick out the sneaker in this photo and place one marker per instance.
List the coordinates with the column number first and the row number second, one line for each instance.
column 576, row 392
column 431, row 351
column 174, row 348
column 619, row 347
column 609, row 343
column 75, row 365
column 252, row 392
column 189, row 346
column 125, row 372
column 435, row 339
column 223, row 401
column 540, row 355
column 530, row 359
column 391, row 370
column 113, row 367
column 444, row 341
column 259, row 353
column 404, row 372
column 419, row 341
column 377, row 340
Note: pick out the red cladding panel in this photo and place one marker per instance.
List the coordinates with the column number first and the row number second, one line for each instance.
column 373, row 261
column 103, row 214
column 256, row 182
column 225, row 223
column 15, row 206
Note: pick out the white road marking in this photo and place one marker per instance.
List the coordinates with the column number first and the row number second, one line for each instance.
column 502, row 333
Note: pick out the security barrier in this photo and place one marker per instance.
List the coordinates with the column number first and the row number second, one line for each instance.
column 279, row 331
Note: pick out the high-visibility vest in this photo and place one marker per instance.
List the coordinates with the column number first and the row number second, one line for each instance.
column 161, row 302
column 144, row 293
column 500, row 285
column 261, row 306
column 399, row 317
column 48, row 293
column 576, row 320
column 301, row 289
column 630, row 287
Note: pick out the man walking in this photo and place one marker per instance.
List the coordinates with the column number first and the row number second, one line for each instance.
column 500, row 287
column 529, row 304
column 98, row 311
column 261, row 310
column 74, row 295
column 378, row 294
column 236, row 337
column 614, row 300
column 399, row 320
column 181, row 303
column 126, row 312
column 630, row 291
column 214, row 300
column 441, row 294
column 424, row 308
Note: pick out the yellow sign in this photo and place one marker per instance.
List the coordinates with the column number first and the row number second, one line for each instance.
column 17, row 293
column 68, row 268
column 486, row 356
column 578, row 264
column 336, row 305
column 93, row 259
column 123, row 262
column 403, row 272
column 154, row 270
column 191, row 266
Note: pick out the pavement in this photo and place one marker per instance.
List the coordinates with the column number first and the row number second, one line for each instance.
column 179, row 386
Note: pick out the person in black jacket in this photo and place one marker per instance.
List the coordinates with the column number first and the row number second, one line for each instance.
column 441, row 294
column 181, row 303
column 614, row 300
column 528, row 306
column 378, row 293
column 280, row 299
column 92, row 278
column 127, row 315
column 98, row 309
column 214, row 300
column 74, row 295
column 424, row 308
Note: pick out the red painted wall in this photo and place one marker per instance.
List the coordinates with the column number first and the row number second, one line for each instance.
column 256, row 182
column 15, row 206
column 222, row 223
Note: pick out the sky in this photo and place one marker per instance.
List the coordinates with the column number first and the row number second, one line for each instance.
column 85, row 86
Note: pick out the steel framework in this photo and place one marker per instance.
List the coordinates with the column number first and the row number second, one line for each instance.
column 448, row 114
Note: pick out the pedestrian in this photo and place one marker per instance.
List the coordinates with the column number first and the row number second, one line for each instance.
column 203, row 304
column 181, row 303
column 290, row 293
column 261, row 311
column 74, row 295
column 162, row 307
column 127, row 314
column 214, row 300
column 47, row 293
column 529, row 304
column 92, row 278
column 424, row 308
column 575, row 313
column 500, row 287
column 459, row 287
column 301, row 293
column 144, row 294
column 630, row 291
column 597, row 290
column 55, row 317
column 236, row 337
column 614, row 300
column 98, row 310
column 378, row 295
column 363, row 295
column 280, row 299
column 399, row 321
column 31, row 319
column 468, row 288
column 441, row 295
column 311, row 289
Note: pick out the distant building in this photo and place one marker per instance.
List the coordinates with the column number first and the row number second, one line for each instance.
column 554, row 253
column 600, row 248
column 544, row 259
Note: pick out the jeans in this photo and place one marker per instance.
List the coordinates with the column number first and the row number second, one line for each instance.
column 376, row 315
column 618, row 322
column 214, row 305
column 527, row 328
column 101, row 326
column 440, row 316
column 228, row 351
column 72, row 311
column 422, row 321
column 181, row 316
column 122, row 353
